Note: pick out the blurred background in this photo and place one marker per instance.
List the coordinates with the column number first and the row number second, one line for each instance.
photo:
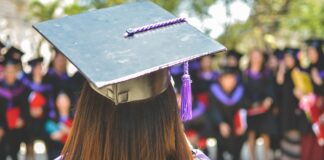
column 268, row 42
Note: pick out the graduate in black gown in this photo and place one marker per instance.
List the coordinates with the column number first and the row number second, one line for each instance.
column 58, row 127
column 198, row 129
column 57, row 73
column 233, row 60
column 311, row 148
column 227, row 102
column 15, row 53
column 273, row 61
column 259, row 89
column 39, row 95
column 14, row 108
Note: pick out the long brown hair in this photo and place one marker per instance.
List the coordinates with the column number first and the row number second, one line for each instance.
column 143, row 130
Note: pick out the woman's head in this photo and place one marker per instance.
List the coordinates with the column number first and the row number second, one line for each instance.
column 256, row 59
column 10, row 73
column 289, row 61
column 63, row 103
column 314, row 55
column 206, row 63
column 59, row 62
column 148, row 129
column 228, row 81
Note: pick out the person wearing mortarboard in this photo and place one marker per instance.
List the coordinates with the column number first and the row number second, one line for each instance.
column 16, row 54
column 258, row 83
column 128, row 108
column 57, row 74
column 41, row 103
column 292, row 119
column 273, row 62
column 312, row 146
column 233, row 59
column 200, row 124
column 226, row 111
column 58, row 128
column 13, row 102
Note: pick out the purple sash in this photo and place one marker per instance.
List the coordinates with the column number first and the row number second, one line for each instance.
column 63, row 76
column 253, row 75
column 35, row 86
column 321, row 74
column 10, row 94
column 199, row 110
column 225, row 99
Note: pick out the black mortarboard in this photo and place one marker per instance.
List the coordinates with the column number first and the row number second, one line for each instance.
column 234, row 53
column 279, row 53
column 11, row 61
column 293, row 52
column 316, row 43
column 35, row 61
column 124, row 51
column 228, row 70
column 2, row 45
column 14, row 54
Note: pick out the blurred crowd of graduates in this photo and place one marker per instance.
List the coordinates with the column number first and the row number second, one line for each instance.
column 277, row 97
column 36, row 105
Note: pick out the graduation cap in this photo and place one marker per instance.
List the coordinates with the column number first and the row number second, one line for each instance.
column 234, row 53
column 14, row 54
column 316, row 43
column 125, row 51
column 35, row 61
column 2, row 45
column 228, row 70
column 294, row 52
column 279, row 53
column 11, row 61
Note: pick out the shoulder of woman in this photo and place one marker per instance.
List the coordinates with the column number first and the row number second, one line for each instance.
column 199, row 155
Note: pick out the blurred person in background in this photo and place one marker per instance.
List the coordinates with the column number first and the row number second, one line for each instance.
column 233, row 60
column 198, row 129
column 226, row 103
column 260, row 93
column 57, row 73
column 58, row 128
column 273, row 61
column 39, row 95
column 2, row 46
column 310, row 145
column 16, row 54
column 292, row 118
column 14, row 107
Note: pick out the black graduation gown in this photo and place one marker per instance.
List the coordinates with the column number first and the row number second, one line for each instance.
column 14, row 105
column 222, row 108
column 38, row 94
column 60, row 82
column 259, row 86
column 200, row 122
column 292, row 118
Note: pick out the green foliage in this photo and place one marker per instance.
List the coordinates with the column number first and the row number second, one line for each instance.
column 273, row 21
column 41, row 11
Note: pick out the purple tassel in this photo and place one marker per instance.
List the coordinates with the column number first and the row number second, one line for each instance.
column 186, row 99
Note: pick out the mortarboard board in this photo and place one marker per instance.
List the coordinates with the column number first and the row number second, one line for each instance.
column 316, row 43
column 14, row 54
column 35, row 61
column 125, row 51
